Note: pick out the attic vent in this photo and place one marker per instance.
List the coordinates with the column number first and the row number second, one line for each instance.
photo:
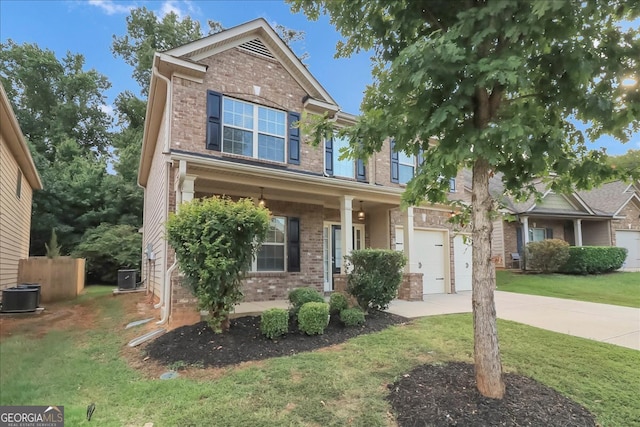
column 257, row 47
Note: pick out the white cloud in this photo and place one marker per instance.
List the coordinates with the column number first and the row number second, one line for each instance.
column 110, row 7
column 169, row 6
column 107, row 109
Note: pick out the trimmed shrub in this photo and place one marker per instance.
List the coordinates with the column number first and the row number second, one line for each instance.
column 352, row 316
column 376, row 277
column 313, row 317
column 299, row 297
column 215, row 240
column 274, row 322
column 594, row 259
column 337, row 303
column 547, row 256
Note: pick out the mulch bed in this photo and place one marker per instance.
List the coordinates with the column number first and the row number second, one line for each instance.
column 446, row 395
column 430, row 395
column 197, row 344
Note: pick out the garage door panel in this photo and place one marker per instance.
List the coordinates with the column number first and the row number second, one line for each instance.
column 629, row 239
column 463, row 261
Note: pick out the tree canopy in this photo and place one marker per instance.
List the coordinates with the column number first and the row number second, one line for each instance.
column 494, row 86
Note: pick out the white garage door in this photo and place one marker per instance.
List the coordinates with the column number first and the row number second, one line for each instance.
column 631, row 241
column 463, row 260
column 430, row 258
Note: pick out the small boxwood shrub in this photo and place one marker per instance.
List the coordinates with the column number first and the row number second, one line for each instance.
column 594, row 259
column 547, row 256
column 299, row 297
column 352, row 316
column 274, row 322
column 337, row 303
column 376, row 277
column 313, row 317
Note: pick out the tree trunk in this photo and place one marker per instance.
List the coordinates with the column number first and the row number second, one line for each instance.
column 488, row 366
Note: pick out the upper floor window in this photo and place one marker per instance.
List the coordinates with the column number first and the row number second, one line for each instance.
column 253, row 130
column 406, row 167
column 19, row 184
column 452, row 185
column 343, row 167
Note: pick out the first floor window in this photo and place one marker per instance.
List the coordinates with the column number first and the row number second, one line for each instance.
column 271, row 256
column 452, row 185
column 253, row 130
column 537, row 234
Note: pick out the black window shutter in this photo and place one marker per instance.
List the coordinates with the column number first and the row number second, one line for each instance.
column 519, row 240
column 549, row 233
column 395, row 167
column 294, row 139
column 361, row 173
column 293, row 245
column 214, row 115
column 328, row 156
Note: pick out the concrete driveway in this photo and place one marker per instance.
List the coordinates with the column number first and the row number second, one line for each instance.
column 600, row 322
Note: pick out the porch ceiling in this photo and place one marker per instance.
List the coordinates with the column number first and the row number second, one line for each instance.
column 286, row 185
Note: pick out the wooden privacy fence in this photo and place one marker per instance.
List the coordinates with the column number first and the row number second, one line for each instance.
column 61, row 278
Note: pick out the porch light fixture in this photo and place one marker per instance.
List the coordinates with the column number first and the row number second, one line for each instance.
column 261, row 201
column 361, row 214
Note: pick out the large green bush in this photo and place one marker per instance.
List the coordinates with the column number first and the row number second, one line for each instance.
column 547, row 256
column 594, row 259
column 107, row 249
column 375, row 277
column 300, row 296
column 313, row 318
column 215, row 240
column 274, row 322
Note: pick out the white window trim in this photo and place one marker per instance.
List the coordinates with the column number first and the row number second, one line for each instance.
column 255, row 132
column 254, row 263
column 544, row 231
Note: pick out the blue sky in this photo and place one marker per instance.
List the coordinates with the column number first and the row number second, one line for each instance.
column 87, row 27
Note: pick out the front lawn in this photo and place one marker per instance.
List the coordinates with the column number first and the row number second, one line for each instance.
column 613, row 288
column 73, row 361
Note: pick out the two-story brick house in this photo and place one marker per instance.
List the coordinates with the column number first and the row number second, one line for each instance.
column 219, row 122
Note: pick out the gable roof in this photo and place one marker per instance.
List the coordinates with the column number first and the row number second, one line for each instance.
column 610, row 197
column 12, row 135
column 256, row 37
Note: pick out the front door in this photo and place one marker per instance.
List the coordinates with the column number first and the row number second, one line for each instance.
column 332, row 250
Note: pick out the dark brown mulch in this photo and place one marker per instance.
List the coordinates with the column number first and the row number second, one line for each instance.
column 197, row 344
column 446, row 395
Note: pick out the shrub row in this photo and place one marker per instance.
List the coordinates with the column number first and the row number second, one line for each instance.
column 555, row 255
column 594, row 259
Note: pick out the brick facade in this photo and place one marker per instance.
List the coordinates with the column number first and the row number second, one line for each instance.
column 631, row 220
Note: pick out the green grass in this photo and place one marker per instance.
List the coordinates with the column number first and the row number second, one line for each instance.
column 339, row 386
column 614, row 288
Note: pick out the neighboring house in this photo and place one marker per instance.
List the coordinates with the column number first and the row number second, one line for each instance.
column 219, row 122
column 18, row 179
column 604, row 216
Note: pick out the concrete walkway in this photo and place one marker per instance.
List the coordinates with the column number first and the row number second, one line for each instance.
column 600, row 322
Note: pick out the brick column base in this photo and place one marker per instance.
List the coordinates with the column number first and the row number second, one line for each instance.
column 411, row 287
column 184, row 306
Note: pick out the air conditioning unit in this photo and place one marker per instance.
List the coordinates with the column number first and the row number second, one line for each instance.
column 127, row 279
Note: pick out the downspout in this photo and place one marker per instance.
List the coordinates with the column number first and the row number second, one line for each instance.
column 165, row 150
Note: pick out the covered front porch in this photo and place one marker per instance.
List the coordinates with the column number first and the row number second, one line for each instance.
column 583, row 230
column 316, row 220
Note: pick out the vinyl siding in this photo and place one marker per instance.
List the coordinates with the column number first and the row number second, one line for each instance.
column 497, row 244
column 155, row 200
column 15, row 217
column 555, row 202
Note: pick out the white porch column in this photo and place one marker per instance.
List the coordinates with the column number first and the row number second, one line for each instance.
column 577, row 231
column 188, row 188
column 525, row 230
column 346, row 227
column 408, row 236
